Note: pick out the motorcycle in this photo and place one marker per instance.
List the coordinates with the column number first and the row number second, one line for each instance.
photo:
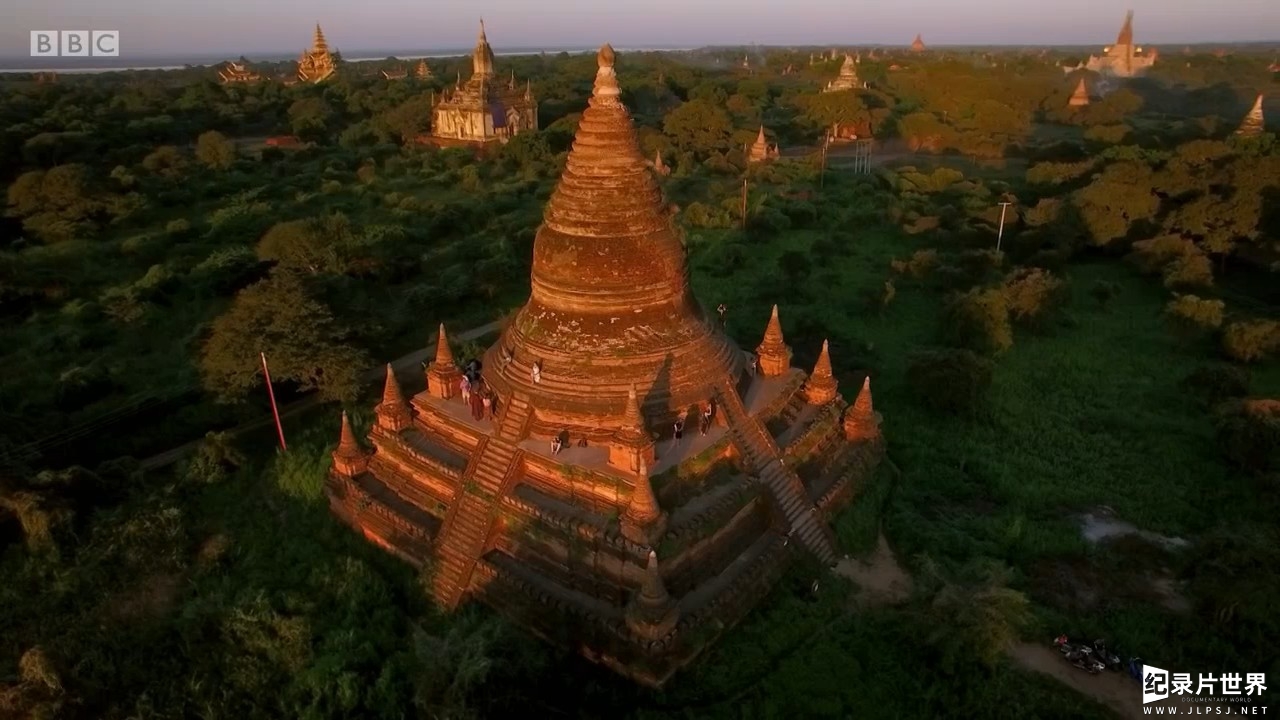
column 1086, row 657
column 1106, row 657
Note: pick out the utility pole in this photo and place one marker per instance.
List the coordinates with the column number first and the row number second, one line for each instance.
column 822, row 174
column 744, row 203
column 275, row 411
column 1000, row 233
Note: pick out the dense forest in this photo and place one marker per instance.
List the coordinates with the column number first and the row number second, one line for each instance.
column 1117, row 353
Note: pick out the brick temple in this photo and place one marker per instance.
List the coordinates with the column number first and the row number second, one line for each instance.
column 569, row 505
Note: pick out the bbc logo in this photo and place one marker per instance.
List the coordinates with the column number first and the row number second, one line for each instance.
column 75, row 43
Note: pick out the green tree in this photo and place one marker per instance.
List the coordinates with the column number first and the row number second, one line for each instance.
column 978, row 320
column 303, row 343
column 311, row 118
column 215, row 150
column 316, row 245
column 1119, row 197
column 699, row 126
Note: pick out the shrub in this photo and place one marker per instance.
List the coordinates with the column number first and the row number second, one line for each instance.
column 978, row 320
column 1217, row 382
column 1249, row 433
column 178, row 227
column 1031, row 294
column 1193, row 315
column 918, row 266
column 1251, row 340
column 950, row 381
column 1193, row 270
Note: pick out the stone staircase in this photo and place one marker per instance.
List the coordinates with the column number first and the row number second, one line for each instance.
column 515, row 418
column 763, row 456
column 466, row 528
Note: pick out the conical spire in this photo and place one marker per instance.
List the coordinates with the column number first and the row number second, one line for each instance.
column 643, row 508
column 820, row 387
column 318, row 43
column 653, row 592
column 528, row 89
column 391, row 393
column 631, row 417
column 773, row 339
column 1126, row 31
column 347, row 445
column 1080, row 97
column 774, row 355
column 917, row 44
column 348, row 459
column 444, row 355
column 393, row 411
column 822, row 368
column 862, row 405
column 1254, row 123
column 861, row 421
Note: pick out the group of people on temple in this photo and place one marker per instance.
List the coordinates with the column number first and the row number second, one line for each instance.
column 704, row 421
column 476, row 394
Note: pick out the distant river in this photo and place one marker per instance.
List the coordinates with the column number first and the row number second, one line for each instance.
column 80, row 65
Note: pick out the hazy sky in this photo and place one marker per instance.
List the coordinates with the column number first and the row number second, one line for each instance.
column 230, row 27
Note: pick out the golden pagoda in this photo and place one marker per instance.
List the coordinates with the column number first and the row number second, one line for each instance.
column 1080, row 97
column 422, row 72
column 1124, row 59
column 1254, row 123
column 917, row 45
column 235, row 72
column 562, row 508
column 847, row 79
column 484, row 109
column 317, row 64
column 761, row 150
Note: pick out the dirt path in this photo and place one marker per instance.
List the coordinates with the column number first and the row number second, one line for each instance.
column 401, row 364
column 1116, row 690
column 880, row 579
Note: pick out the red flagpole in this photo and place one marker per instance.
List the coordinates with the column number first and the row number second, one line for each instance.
column 275, row 411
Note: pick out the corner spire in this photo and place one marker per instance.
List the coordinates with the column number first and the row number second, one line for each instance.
column 775, row 356
column 349, row 460
column 443, row 375
column 652, row 590
column 820, row 387
column 444, row 355
column 643, row 509
column 393, row 411
column 631, row 416
column 347, row 445
column 861, row 421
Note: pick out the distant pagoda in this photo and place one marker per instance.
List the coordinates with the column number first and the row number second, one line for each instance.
column 484, row 109
column 234, row 72
column 422, row 71
column 847, row 79
column 1080, row 97
column 398, row 73
column 917, row 45
column 1254, row 123
column 317, row 64
column 1123, row 59
column 562, row 509
column 761, row 150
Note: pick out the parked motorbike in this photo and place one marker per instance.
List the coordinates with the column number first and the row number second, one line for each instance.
column 1105, row 656
column 1093, row 659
